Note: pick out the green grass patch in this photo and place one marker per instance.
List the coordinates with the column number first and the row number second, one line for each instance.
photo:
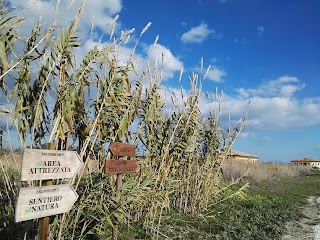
column 252, row 217
column 261, row 214
column 295, row 189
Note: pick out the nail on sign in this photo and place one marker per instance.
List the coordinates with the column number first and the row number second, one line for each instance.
column 38, row 202
column 41, row 164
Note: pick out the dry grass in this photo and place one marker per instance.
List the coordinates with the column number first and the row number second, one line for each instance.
column 10, row 160
column 261, row 171
column 181, row 167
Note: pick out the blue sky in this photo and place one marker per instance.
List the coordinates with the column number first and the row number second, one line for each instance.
column 265, row 51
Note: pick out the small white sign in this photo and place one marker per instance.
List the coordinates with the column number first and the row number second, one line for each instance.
column 42, row 164
column 38, row 202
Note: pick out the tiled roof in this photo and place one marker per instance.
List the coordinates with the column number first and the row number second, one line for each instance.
column 305, row 160
column 241, row 154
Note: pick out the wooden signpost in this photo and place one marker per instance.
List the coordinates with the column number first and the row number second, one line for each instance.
column 38, row 202
column 123, row 149
column 47, row 200
column 119, row 167
column 42, row 164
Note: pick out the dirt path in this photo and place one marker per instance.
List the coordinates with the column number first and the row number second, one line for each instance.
column 308, row 227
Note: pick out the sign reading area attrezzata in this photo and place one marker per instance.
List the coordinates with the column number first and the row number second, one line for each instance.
column 38, row 202
column 42, row 164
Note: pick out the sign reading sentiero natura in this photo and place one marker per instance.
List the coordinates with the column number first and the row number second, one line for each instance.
column 42, row 164
column 38, row 202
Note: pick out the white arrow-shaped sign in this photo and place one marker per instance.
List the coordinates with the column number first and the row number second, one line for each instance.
column 41, row 164
column 38, row 202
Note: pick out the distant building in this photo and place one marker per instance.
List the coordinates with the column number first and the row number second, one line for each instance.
column 306, row 162
column 241, row 156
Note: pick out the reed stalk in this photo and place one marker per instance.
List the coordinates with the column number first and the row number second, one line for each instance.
column 184, row 150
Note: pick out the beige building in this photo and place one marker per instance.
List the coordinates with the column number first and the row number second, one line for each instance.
column 241, row 156
column 306, row 162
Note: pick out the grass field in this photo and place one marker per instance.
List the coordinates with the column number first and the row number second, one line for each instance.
column 260, row 214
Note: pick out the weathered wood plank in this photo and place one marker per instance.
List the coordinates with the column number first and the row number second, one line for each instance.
column 38, row 202
column 120, row 166
column 123, row 149
column 42, row 164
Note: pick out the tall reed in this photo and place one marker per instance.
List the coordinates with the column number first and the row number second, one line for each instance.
column 184, row 150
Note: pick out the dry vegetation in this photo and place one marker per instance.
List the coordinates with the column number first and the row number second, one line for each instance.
column 259, row 171
column 48, row 95
column 10, row 159
column 53, row 102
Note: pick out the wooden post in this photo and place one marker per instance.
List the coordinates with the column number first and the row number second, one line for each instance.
column 120, row 150
column 115, row 229
column 119, row 185
column 44, row 222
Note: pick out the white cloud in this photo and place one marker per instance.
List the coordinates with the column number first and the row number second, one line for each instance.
column 170, row 64
column 247, row 134
column 215, row 74
column 101, row 12
column 289, row 90
column 274, row 105
column 285, row 113
column 266, row 111
column 284, row 86
column 199, row 34
column 272, row 113
column 287, row 79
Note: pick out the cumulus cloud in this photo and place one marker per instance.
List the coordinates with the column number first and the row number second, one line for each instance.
column 97, row 15
column 284, row 113
column 199, row 34
column 271, row 111
column 215, row 74
column 166, row 60
column 274, row 105
column 284, row 86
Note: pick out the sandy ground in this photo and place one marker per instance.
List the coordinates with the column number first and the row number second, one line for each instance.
column 308, row 227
